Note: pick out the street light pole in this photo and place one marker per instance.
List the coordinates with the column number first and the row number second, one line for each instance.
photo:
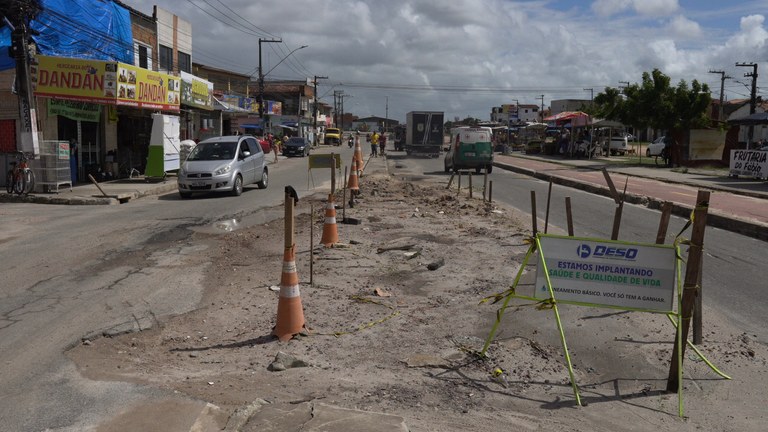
column 261, row 84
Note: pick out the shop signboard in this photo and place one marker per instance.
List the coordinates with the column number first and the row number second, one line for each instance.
column 73, row 79
column 749, row 163
column 75, row 110
column 196, row 92
column 632, row 276
column 104, row 82
column 142, row 88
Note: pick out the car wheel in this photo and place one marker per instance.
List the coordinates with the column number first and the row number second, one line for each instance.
column 489, row 168
column 264, row 180
column 237, row 187
column 185, row 195
column 445, row 166
column 648, row 152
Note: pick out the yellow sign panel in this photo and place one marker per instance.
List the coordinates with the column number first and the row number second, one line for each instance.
column 104, row 82
column 144, row 88
column 69, row 78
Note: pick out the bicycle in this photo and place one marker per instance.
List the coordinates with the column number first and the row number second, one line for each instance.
column 20, row 178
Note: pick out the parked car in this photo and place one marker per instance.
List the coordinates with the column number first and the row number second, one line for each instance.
column 656, row 148
column 616, row 144
column 223, row 164
column 296, row 146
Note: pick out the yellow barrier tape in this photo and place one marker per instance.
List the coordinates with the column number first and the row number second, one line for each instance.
column 364, row 325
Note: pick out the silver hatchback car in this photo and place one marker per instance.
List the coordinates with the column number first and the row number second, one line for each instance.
column 223, row 164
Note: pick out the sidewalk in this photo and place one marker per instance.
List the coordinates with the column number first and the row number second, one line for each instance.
column 736, row 204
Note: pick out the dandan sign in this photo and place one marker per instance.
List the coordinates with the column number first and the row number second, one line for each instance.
column 590, row 272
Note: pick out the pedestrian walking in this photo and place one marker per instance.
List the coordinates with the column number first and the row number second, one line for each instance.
column 382, row 144
column 272, row 145
column 374, row 144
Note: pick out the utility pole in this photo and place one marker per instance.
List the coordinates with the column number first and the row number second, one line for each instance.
column 752, row 99
column 336, row 106
column 22, row 13
column 261, row 85
column 591, row 93
column 314, row 111
column 624, row 87
column 723, row 77
column 386, row 114
column 542, row 107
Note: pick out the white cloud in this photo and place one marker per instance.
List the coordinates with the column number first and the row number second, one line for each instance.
column 652, row 8
column 684, row 28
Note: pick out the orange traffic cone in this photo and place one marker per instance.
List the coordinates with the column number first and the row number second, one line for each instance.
column 330, row 233
column 352, row 183
column 290, row 315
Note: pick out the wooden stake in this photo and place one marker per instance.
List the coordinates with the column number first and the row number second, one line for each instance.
column 450, row 181
column 533, row 213
column 485, row 183
column 311, row 243
column 617, row 221
column 546, row 215
column 690, row 289
column 697, row 310
column 93, row 180
column 289, row 240
column 470, row 184
column 344, row 197
column 333, row 173
column 459, row 184
column 569, row 216
column 490, row 191
column 666, row 212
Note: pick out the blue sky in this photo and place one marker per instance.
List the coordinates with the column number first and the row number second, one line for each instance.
column 466, row 56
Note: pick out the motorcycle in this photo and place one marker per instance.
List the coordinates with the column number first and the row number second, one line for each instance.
column 351, row 142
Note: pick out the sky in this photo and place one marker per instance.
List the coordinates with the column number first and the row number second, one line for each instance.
column 464, row 57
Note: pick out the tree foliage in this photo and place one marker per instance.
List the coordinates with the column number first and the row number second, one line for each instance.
column 655, row 103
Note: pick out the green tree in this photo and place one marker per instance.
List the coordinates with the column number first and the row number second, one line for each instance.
column 655, row 103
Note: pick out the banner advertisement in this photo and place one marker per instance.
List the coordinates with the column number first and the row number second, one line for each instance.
column 250, row 104
column 142, row 88
column 75, row 110
column 104, row 82
column 749, row 163
column 631, row 276
column 274, row 108
column 196, row 92
column 73, row 79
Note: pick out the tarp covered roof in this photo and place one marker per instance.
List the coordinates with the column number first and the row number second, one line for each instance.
column 752, row 119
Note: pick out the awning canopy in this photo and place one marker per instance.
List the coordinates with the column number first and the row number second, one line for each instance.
column 566, row 115
column 227, row 107
column 752, row 119
column 250, row 126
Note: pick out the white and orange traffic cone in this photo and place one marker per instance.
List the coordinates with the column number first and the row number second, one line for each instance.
column 330, row 232
column 353, row 184
column 290, row 314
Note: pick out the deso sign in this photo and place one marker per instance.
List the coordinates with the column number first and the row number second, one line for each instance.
column 631, row 276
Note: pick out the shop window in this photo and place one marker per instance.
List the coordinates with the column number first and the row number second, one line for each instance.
column 166, row 58
column 185, row 62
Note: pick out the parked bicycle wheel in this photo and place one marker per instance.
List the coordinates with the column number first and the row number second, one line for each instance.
column 18, row 184
column 9, row 182
column 29, row 180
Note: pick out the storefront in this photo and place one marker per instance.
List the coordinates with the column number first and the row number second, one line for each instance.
column 110, row 127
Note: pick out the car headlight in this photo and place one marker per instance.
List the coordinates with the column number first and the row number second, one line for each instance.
column 182, row 171
column 223, row 170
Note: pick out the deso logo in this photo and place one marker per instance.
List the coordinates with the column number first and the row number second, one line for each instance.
column 602, row 251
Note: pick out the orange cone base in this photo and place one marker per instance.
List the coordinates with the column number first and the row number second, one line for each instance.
column 290, row 318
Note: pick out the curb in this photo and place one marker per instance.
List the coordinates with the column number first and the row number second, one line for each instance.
column 717, row 220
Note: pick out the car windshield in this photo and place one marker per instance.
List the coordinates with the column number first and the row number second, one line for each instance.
column 296, row 141
column 213, row 151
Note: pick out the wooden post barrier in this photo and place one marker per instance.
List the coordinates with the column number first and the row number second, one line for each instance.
column 344, row 197
column 490, row 191
column 666, row 212
column 333, row 173
column 690, row 288
column 569, row 216
column 450, row 181
column 485, row 183
column 311, row 243
column 546, row 215
column 470, row 184
column 533, row 213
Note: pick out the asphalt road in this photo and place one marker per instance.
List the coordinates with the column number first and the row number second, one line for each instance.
column 74, row 271
column 732, row 285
